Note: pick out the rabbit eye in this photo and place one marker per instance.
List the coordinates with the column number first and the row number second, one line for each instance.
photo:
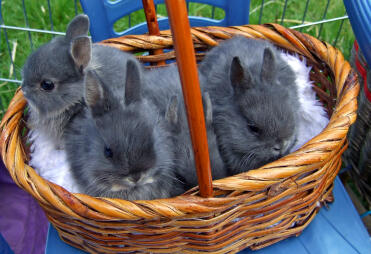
column 47, row 85
column 108, row 152
column 253, row 128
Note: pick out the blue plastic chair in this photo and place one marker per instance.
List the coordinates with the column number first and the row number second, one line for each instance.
column 103, row 14
column 359, row 13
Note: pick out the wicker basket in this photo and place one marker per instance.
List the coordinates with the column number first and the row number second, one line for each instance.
column 252, row 209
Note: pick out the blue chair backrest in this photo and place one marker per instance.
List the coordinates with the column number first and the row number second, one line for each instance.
column 359, row 13
column 104, row 13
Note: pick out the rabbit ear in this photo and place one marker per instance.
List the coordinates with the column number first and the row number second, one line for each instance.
column 269, row 63
column 93, row 90
column 79, row 26
column 208, row 108
column 171, row 114
column 239, row 77
column 132, row 83
column 80, row 51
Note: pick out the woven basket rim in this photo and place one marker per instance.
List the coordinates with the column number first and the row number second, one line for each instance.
column 254, row 180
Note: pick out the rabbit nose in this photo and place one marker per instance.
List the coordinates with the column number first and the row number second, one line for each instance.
column 135, row 177
column 24, row 90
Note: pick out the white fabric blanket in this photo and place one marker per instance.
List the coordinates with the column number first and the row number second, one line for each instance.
column 51, row 163
column 312, row 116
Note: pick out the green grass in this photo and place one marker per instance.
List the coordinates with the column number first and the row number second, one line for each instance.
column 273, row 10
column 63, row 11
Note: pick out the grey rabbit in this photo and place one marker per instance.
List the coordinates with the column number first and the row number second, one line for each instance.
column 254, row 100
column 120, row 149
column 53, row 77
column 184, row 157
column 163, row 87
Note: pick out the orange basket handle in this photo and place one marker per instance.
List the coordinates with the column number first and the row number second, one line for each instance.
column 152, row 24
column 186, row 60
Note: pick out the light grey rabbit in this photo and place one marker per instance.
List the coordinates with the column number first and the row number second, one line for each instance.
column 53, row 77
column 254, row 100
column 163, row 87
column 120, row 149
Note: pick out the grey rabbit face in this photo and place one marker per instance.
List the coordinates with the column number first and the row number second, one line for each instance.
column 53, row 74
column 255, row 132
column 255, row 101
column 126, row 152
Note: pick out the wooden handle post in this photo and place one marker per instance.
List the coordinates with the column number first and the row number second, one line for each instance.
column 152, row 24
column 185, row 56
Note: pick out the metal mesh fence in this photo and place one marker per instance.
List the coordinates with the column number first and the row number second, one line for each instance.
column 25, row 25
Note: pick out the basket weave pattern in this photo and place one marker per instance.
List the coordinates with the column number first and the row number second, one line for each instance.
column 253, row 209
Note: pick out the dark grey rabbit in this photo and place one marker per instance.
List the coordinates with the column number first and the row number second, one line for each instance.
column 254, row 100
column 53, row 77
column 164, row 89
column 184, row 158
column 120, row 149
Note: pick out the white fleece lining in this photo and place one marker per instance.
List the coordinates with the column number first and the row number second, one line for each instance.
column 312, row 117
column 50, row 163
